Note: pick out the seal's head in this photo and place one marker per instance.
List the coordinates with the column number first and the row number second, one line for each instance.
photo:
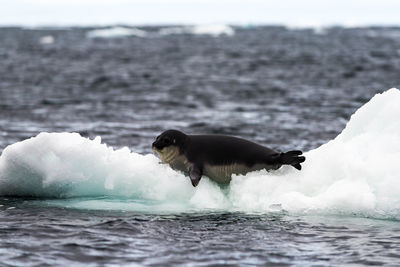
column 169, row 144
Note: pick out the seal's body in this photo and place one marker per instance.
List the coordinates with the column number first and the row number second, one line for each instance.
column 219, row 156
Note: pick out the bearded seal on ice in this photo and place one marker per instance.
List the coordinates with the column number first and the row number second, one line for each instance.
column 219, row 156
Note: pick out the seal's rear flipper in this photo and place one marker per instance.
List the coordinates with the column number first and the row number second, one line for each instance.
column 297, row 166
column 293, row 158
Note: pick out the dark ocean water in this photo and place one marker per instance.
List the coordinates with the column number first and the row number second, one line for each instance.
column 279, row 87
column 39, row 236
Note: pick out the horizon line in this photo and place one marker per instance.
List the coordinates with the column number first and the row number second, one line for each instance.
column 172, row 24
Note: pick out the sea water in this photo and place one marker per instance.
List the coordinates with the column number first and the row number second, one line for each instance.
column 80, row 186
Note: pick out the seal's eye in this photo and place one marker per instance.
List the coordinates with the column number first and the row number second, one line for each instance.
column 166, row 140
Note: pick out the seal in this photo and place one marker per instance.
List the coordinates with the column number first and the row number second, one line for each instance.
column 219, row 156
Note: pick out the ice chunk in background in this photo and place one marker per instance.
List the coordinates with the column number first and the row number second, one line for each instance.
column 116, row 32
column 45, row 40
column 120, row 32
column 173, row 30
column 357, row 172
column 213, row 30
column 316, row 27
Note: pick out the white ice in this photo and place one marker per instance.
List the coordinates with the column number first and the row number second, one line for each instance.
column 116, row 32
column 46, row 40
column 208, row 29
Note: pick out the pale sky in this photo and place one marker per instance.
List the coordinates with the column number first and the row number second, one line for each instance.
column 244, row 12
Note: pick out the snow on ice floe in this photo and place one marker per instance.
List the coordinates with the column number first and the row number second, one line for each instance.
column 116, row 32
column 356, row 173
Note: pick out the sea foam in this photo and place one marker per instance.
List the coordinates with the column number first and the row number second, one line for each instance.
column 357, row 172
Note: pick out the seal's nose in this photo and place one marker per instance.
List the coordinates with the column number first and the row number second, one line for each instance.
column 155, row 145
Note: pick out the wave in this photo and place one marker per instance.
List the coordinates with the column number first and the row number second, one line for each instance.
column 357, row 172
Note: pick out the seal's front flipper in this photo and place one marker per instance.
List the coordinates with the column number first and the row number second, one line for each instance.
column 195, row 173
